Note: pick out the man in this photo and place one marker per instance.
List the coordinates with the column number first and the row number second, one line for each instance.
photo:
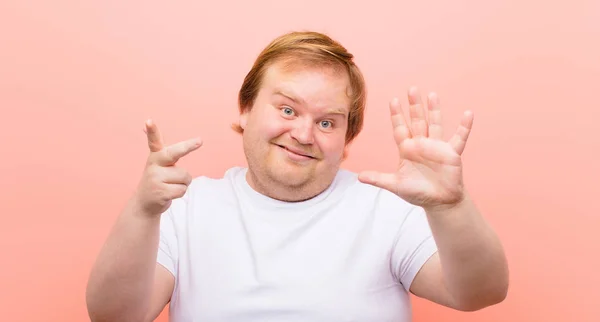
column 293, row 237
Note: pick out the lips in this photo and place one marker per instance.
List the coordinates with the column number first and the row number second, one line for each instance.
column 296, row 151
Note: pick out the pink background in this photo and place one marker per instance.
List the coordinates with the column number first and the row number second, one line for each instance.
column 78, row 79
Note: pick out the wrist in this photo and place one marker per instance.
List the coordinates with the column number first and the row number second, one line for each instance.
column 461, row 202
column 137, row 209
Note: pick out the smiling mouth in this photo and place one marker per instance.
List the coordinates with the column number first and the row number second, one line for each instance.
column 298, row 153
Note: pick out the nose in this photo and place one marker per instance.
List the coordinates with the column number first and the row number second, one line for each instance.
column 303, row 132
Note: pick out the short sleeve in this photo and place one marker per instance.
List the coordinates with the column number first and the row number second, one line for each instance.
column 414, row 246
column 167, row 248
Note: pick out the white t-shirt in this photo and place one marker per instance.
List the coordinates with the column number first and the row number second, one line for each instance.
column 349, row 254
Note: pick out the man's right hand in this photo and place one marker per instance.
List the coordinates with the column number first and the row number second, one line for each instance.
column 162, row 181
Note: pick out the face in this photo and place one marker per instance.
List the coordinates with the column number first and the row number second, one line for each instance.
column 294, row 134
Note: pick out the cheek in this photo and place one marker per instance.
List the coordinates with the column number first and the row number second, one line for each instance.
column 333, row 149
column 266, row 127
column 273, row 130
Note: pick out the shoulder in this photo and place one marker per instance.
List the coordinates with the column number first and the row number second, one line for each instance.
column 205, row 190
column 382, row 206
column 214, row 186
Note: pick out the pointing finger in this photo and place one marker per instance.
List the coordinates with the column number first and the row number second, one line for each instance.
column 171, row 154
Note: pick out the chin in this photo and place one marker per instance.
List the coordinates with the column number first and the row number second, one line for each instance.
column 290, row 174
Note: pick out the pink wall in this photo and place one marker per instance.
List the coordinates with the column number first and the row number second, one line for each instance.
column 78, row 79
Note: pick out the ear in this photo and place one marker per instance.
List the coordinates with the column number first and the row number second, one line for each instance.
column 244, row 119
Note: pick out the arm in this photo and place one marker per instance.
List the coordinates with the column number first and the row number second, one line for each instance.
column 125, row 283
column 469, row 271
column 470, row 264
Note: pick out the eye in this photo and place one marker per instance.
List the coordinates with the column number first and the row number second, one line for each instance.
column 288, row 111
column 326, row 124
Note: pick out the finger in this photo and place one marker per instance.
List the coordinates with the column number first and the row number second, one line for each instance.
column 435, row 117
column 385, row 181
column 459, row 139
column 154, row 139
column 418, row 120
column 171, row 154
column 400, row 127
column 176, row 191
column 177, row 175
column 429, row 152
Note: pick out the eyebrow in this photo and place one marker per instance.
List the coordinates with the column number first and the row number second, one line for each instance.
column 290, row 97
column 297, row 100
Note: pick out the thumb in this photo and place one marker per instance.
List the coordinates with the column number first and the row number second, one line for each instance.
column 154, row 138
column 385, row 181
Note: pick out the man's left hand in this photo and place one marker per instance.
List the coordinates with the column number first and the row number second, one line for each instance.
column 430, row 170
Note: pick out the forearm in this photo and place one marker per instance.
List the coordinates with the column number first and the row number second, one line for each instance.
column 472, row 258
column 120, row 283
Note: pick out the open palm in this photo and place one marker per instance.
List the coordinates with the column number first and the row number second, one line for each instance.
column 430, row 169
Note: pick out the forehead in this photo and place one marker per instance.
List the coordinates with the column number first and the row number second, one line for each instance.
column 309, row 83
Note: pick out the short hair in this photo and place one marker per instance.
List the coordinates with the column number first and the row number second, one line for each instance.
column 307, row 48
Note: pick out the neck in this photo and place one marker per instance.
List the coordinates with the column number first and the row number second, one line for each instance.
column 279, row 191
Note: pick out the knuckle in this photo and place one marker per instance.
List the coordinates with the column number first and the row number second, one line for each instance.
column 182, row 176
